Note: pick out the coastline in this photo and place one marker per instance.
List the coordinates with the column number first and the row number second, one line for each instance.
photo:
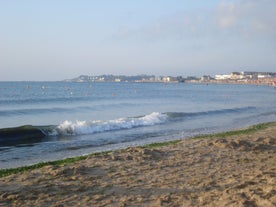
column 232, row 168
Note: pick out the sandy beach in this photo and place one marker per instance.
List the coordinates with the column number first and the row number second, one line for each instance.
column 234, row 170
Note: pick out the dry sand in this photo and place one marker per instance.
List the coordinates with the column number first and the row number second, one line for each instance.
column 239, row 170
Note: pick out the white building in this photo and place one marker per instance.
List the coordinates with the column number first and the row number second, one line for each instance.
column 222, row 77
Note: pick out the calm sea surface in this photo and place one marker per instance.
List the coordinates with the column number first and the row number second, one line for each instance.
column 80, row 118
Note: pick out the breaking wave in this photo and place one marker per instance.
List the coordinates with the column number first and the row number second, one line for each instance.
column 91, row 127
column 32, row 134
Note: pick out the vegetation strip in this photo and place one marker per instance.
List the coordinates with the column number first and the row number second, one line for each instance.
column 252, row 129
column 10, row 171
column 248, row 130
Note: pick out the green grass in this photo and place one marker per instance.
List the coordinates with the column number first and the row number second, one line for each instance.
column 252, row 129
column 6, row 172
column 161, row 144
column 248, row 130
column 10, row 171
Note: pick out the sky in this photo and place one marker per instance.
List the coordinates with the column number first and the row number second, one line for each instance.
column 59, row 39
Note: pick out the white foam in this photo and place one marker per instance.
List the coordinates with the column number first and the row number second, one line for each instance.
column 91, row 127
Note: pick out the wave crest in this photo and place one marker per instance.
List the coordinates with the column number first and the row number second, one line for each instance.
column 91, row 127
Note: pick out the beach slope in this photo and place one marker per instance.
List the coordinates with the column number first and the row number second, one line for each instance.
column 230, row 169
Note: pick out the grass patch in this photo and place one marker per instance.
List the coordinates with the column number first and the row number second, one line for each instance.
column 248, row 130
column 161, row 144
column 6, row 172
column 10, row 171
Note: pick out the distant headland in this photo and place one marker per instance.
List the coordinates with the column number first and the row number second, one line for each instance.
column 268, row 78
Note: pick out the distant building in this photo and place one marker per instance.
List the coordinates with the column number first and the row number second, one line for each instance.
column 222, row 77
column 206, row 78
column 236, row 76
column 166, row 79
column 250, row 75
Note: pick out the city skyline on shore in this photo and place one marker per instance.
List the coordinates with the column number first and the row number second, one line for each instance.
column 234, row 77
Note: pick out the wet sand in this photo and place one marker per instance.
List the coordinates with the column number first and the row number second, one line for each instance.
column 237, row 170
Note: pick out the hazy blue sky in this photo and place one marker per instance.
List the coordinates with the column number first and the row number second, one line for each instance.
column 59, row 39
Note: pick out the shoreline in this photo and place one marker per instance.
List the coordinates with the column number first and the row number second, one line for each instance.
column 70, row 160
column 233, row 168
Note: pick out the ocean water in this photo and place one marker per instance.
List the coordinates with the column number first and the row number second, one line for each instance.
column 63, row 119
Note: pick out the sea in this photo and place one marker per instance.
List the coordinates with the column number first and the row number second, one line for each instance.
column 46, row 121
